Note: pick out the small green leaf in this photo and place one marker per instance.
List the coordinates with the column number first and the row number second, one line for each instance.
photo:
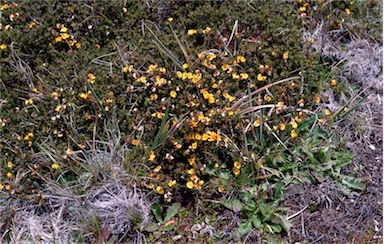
column 237, row 206
column 151, row 227
column 244, row 228
column 279, row 187
column 226, row 203
column 256, row 221
column 275, row 227
column 353, row 184
column 157, row 209
column 168, row 227
column 172, row 211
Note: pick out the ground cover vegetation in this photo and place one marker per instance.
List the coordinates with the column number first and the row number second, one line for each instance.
column 150, row 121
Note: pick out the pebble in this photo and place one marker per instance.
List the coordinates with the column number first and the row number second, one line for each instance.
column 372, row 147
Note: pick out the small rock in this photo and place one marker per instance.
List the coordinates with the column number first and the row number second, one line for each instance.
column 372, row 147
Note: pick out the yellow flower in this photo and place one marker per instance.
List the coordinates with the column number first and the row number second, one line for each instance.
column 9, row 175
column 7, row 187
column 54, row 95
column 267, row 98
column 64, row 36
column 240, row 59
column 63, row 29
column 59, row 108
column 170, row 19
column 198, row 137
column 237, row 165
column 298, row 119
column 171, row 183
column 236, row 171
column 200, row 55
column 152, row 67
column 190, row 185
column 78, row 45
column 3, row 46
column 4, row 7
column 280, row 105
column 160, row 190
column 261, row 77
column 294, row 124
column 191, row 171
column 347, row 11
column 7, row 27
column 153, row 96
column 244, row 76
column 125, row 10
column 213, row 136
column 192, row 161
column 1, row 186
column 9, row 164
column 91, row 78
column 235, row 76
column 163, row 70
column 151, row 156
column 225, row 67
column 191, row 32
column 196, row 78
column 207, row 30
column 282, row 126
column 173, row 94
column 285, row 55
column 333, row 82
column 211, row 56
column 157, row 169
column 58, row 39
column 159, row 115
column 204, row 137
column 200, row 182
column 185, row 66
column 221, row 189
column 206, row 94
column 29, row 136
column 257, row 122
column 211, row 99
column 55, row 166
column 327, row 112
column 194, row 145
column 28, row 102
column 293, row 133
column 128, row 68
column 83, row 96
column 318, row 99
column 135, row 142
column 143, row 79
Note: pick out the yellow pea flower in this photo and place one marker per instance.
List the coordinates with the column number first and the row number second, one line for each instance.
column 293, row 133
column 173, row 94
column 171, row 183
column 160, row 190
column 294, row 124
column 237, row 165
column 151, row 156
column 190, row 185
column 191, row 32
column 55, row 166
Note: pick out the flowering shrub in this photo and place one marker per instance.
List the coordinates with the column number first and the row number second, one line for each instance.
column 206, row 105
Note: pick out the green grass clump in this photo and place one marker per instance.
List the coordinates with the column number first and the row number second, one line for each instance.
column 213, row 105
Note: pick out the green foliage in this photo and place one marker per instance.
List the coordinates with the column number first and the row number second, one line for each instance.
column 217, row 101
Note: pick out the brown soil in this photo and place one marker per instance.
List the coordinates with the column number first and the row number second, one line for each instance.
column 331, row 216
